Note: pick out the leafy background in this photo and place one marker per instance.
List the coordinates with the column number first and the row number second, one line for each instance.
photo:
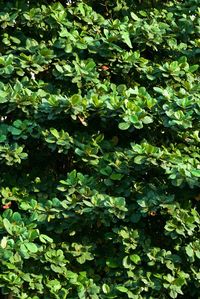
column 99, row 149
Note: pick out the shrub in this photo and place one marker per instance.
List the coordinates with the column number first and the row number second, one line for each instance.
column 99, row 149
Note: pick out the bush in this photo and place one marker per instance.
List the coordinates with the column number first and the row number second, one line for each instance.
column 99, row 149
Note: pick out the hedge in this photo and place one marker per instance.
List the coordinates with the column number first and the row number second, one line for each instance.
column 99, row 149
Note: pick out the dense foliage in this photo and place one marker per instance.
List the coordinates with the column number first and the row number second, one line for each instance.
column 99, row 149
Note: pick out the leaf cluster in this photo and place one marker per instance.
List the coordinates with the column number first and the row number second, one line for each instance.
column 99, row 149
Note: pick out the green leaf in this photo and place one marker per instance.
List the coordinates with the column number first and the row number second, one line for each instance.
column 189, row 251
column 90, row 65
column 147, row 120
column 139, row 159
column 3, row 96
column 8, row 226
column 76, row 99
column 122, row 289
column 2, row 138
column 55, row 133
column 15, row 131
column 105, row 288
column 59, row 68
column 173, row 294
column 56, row 269
column 135, row 258
column 134, row 119
column 124, row 126
column 126, row 39
column 116, row 176
column 31, row 247
column 45, row 239
column 16, row 217
column 134, row 16
column 4, row 241
column 197, row 253
column 112, row 263
column 196, row 172
column 193, row 68
column 158, row 90
column 24, row 251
